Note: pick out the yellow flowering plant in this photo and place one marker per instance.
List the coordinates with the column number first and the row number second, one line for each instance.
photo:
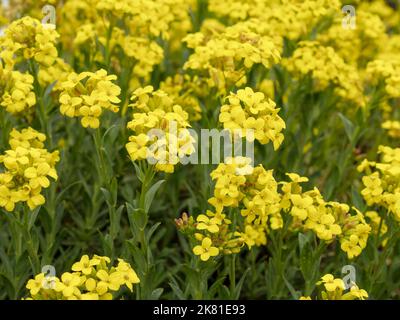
column 204, row 149
column 90, row 279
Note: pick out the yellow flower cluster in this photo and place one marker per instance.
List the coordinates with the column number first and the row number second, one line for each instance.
column 326, row 67
column 237, row 10
column 27, row 38
column 387, row 70
column 87, row 95
column 249, row 110
column 382, row 180
column 254, row 190
column 334, row 289
column 58, row 72
column 160, row 130
column 290, row 19
column 90, row 279
column 16, row 91
column 294, row 19
column 358, row 45
column 328, row 220
column 132, row 26
column 223, row 58
column 183, row 89
column 28, row 167
column 308, row 209
column 383, row 9
column 392, row 127
column 355, row 233
column 262, row 205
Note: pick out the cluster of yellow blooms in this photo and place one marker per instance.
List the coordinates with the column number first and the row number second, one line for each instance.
column 249, row 110
column 16, row 93
column 355, row 46
column 58, row 72
column 255, row 192
column 381, row 181
column 27, row 38
column 327, row 220
column 326, row 68
column 90, row 279
column 28, row 167
column 387, row 70
column 130, row 26
column 334, row 289
column 160, row 130
column 290, row 19
column 87, row 95
column 224, row 57
column 185, row 92
column 238, row 184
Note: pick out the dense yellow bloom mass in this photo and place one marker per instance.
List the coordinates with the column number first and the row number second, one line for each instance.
column 326, row 67
column 263, row 202
column 90, row 279
column 27, row 38
column 287, row 75
column 387, row 70
column 290, row 19
column 249, row 110
column 160, row 130
column 16, row 92
column 224, row 57
column 87, row 95
column 356, row 46
column 28, row 167
column 381, row 180
column 185, row 91
column 329, row 220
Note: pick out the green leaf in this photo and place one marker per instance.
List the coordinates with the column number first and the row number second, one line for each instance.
column 151, row 194
column 302, row 241
column 155, row 295
column 239, row 285
column 32, row 218
column 348, row 126
column 292, row 291
column 175, row 288
column 152, row 230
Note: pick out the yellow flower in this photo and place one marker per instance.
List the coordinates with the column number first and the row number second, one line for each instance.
column 85, row 265
column 355, row 293
column 69, row 285
column 331, row 284
column 205, row 250
column 205, row 223
column 36, row 284
column 107, row 282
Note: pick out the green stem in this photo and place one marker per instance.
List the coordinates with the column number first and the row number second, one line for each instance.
column 232, row 275
column 42, row 113
column 102, row 169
